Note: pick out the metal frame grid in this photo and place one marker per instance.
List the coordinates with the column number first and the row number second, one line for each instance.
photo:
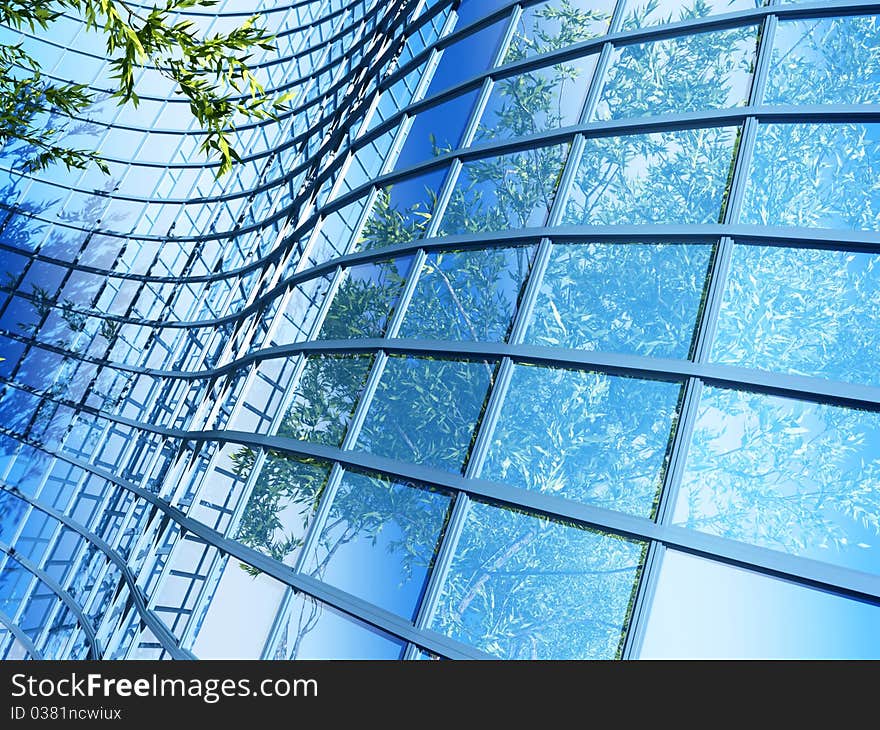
column 205, row 328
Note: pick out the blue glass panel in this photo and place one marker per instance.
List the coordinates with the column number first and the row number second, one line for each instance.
column 509, row 191
column 380, row 541
column 524, row 587
column 365, row 299
column 706, row 610
column 790, row 475
column 425, row 411
column 775, row 295
column 467, row 57
column 815, row 176
column 664, row 177
column 280, row 506
column 402, row 211
column 325, row 396
column 540, row 100
column 546, row 26
column 675, row 75
column 642, row 13
column 825, row 61
column 436, row 130
column 626, row 297
column 313, row 630
column 467, row 295
column 586, row 436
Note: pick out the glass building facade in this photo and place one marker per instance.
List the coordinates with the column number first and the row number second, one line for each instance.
column 533, row 330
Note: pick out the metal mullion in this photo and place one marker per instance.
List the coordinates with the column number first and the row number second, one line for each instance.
column 287, row 397
column 705, row 334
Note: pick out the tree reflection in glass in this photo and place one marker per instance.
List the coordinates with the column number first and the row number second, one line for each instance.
column 467, row 295
column 790, row 475
column 525, row 587
column 774, row 295
column 587, row 436
column 662, row 177
column 425, row 410
column 638, row 298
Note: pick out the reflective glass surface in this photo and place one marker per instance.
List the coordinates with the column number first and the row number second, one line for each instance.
column 580, row 435
column 467, row 295
column 663, row 177
column 510, row 191
column 706, row 610
column 547, row 26
column 523, row 587
column 775, row 295
column 425, row 410
column 815, row 176
column 695, row 72
column 790, row 475
column 380, row 540
column 631, row 297
column 825, row 61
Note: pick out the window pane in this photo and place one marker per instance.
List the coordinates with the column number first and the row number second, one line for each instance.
column 436, row 130
column 425, row 411
column 510, row 191
column 586, row 436
column 402, row 211
column 641, row 13
column 625, row 297
column 326, row 394
column 676, row 75
column 825, row 61
column 364, row 300
column 314, row 630
column 467, row 295
column 776, row 295
column 467, row 57
column 790, row 475
column 556, row 24
column 706, row 610
column 380, row 541
column 524, row 587
column 815, row 176
column 544, row 99
column 664, row 177
column 280, row 507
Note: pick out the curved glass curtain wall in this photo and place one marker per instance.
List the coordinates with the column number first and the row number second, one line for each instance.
column 535, row 330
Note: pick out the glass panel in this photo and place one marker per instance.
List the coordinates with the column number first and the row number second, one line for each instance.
column 365, row 299
column 815, row 176
column 825, row 61
column 281, row 504
column 380, row 541
column 586, row 436
column 706, row 610
column 325, row 397
column 314, row 630
column 543, row 99
column 676, row 75
column 625, row 297
column 790, row 475
column 425, row 411
column 641, row 13
column 242, row 591
column 556, row 24
column 524, row 587
column 467, row 295
column 510, row 191
column 776, row 295
column 664, row 177
column 436, row 130
column 402, row 211
column 467, row 57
